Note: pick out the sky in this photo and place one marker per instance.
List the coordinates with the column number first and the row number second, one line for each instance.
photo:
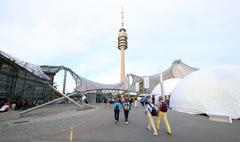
column 82, row 35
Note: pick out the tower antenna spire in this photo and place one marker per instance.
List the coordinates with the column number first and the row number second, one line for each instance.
column 122, row 23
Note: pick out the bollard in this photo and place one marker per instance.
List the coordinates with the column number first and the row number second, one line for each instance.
column 71, row 134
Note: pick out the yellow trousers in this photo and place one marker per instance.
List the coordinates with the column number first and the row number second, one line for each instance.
column 151, row 124
column 163, row 115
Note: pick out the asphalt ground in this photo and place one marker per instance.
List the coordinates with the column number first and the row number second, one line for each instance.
column 99, row 126
column 52, row 124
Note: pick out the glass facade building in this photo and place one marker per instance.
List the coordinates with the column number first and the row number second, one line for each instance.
column 18, row 84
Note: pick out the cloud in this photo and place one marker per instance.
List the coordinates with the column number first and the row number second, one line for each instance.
column 82, row 35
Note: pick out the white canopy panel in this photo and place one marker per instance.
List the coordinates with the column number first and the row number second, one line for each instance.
column 212, row 91
column 169, row 85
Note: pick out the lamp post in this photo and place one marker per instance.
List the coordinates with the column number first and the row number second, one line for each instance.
column 128, row 85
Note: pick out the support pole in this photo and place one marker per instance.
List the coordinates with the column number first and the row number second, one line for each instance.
column 64, row 81
column 146, row 84
column 162, row 85
column 64, row 96
column 47, row 103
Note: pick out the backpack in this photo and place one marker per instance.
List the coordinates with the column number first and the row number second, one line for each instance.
column 164, row 107
column 127, row 106
column 154, row 111
column 116, row 107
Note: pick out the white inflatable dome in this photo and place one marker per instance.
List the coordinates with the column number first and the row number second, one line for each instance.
column 214, row 91
column 169, row 85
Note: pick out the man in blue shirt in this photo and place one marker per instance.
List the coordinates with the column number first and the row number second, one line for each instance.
column 117, row 106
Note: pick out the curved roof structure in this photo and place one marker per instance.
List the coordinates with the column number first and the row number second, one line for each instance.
column 34, row 69
column 177, row 70
column 85, row 85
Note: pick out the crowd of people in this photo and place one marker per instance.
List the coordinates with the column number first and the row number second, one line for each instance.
column 110, row 102
column 6, row 106
column 9, row 105
column 154, row 110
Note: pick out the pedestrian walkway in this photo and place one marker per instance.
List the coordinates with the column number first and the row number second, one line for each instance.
column 99, row 126
column 53, row 123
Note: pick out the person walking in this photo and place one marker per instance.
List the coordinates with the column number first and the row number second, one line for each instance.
column 111, row 101
column 162, row 107
column 131, row 101
column 105, row 102
column 150, row 112
column 135, row 102
column 142, row 101
column 117, row 106
column 126, row 109
column 153, row 99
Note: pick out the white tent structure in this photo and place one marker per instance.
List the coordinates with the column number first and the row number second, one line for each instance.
column 169, row 86
column 213, row 91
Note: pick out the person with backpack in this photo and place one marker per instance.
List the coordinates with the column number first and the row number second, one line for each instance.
column 162, row 114
column 142, row 101
column 116, row 106
column 150, row 112
column 126, row 108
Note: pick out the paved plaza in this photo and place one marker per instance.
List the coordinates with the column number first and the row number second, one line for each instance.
column 53, row 123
